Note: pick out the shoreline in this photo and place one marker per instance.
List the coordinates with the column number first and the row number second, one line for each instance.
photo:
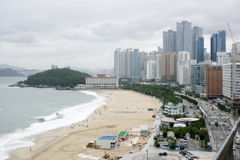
column 46, row 138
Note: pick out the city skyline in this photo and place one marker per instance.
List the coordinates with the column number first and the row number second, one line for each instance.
column 85, row 34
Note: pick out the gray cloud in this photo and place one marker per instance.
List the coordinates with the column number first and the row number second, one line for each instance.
column 84, row 34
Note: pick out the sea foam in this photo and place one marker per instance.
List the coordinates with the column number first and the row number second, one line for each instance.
column 25, row 137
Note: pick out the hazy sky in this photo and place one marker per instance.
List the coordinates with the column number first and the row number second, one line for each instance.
column 84, row 33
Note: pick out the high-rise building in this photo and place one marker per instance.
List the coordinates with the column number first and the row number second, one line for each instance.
column 136, row 59
column 122, row 63
column 206, row 55
column 196, row 33
column 159, row 66
column 184, row 71
column 238, row 48
column 160, row 50
column 223, row 58
column 184, row 67
column 184, row 37
column 169, row 41
column 151, row 69
column 214, row 81
column 152, row 55
column 169, row 66
column 198, row 77
column 200, row 49
column 231, row 84
column 144, row 65
column 183, row 56
column 218, row 44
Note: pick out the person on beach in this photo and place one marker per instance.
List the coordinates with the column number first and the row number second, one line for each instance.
column 30, row 149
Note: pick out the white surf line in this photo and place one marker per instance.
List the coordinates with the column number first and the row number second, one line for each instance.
column 52, row 142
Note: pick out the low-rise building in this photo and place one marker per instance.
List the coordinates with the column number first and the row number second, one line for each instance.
column 107, row 142
column 173, row 109
column 100, row 81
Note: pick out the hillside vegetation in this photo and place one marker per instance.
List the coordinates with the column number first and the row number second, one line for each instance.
column 57, row 77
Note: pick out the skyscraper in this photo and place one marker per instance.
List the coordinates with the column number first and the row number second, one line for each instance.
column 152, row 55
column 169, row 41
column 218, row 44
column 136, row 58
column 122, row 63
column 160, row 50
column 151, row 69
column 184, row 37
column 196, row 33
column 233, row 48
column 200, row 49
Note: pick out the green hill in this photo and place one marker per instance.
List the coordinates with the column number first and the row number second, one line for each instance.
column 9, row 73
column 57, row 77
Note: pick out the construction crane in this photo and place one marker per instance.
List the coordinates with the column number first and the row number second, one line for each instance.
column 238, row 53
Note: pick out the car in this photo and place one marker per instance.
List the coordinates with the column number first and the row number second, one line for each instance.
column 194, row 157
column 233, row 148
column 163, row 154
column 230, row 128
column 223, row 124
column 221, row 137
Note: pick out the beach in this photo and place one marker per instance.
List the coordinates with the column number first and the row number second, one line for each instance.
column 125, row 111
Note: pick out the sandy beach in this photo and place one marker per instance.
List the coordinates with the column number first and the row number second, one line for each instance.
column 126, row 111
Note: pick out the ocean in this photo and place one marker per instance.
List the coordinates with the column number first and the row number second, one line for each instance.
column 28, row 112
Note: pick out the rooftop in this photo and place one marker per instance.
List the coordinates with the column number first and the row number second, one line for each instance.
column 107, row 138
column 122, row 134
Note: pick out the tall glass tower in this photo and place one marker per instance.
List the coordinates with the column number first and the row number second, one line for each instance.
column 196, row 32
column 169, row 41
column 218, row 44
column 184, row 37
column 136, row 59
column 200, row 49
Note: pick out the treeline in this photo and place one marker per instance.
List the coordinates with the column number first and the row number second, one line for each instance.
column 193, row 129
column 222, row 107
column 163, row 92
column 57, row 77
column 189, row 99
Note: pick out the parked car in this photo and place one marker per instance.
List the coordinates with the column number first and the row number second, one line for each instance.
column 221, row 137
column 163, row 154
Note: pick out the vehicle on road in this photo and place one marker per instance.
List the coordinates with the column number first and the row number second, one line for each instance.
column 216, row 123
column 238, row 141
column 221, row 137
column 163, row 154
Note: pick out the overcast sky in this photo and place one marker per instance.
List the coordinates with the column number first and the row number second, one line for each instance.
column 85, row 33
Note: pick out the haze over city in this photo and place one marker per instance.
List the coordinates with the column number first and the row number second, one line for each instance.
column 85, row 34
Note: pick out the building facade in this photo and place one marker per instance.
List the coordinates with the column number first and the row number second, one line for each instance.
column 237, row 47
column 151, row 69
column 169, row 41
column 200, row 50
column 101, row 81
column 223, row 58
column 214, row 81
column 184, row 37
column 136, row 59
column 173, row 109
column 196, row 33
column 122, row 63
column 184, row 71
column 199, row 77
column 218, row 44
column 159, row 67
column 206, row 55
column 169, row 66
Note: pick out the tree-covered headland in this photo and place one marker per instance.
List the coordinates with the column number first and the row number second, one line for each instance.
column 57, row 77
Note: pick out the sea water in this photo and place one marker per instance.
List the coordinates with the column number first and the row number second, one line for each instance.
column 28, row 112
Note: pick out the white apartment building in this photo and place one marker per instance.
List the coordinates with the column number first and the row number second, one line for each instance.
column 122, row 63
column 159, row 66
column 183, row 55
column 184, row 71
column 151, row 69
column 223, row 58
column 231, row 81
column 173, row 109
